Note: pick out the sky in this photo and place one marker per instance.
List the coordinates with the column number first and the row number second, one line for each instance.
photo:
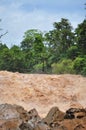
column 18, row 16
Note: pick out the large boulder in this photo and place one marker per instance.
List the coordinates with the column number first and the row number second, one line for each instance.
column 74, row 119
column 75, row 113
column 34, row 122
column 53, row 116
column 9, row 117
column 23, row 114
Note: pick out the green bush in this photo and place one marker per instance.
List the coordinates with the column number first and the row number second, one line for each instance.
column 83, row 72
column 80, row 65
column 39, row 68
column 63, row 67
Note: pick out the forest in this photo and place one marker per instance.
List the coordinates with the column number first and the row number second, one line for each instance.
column 61, row 50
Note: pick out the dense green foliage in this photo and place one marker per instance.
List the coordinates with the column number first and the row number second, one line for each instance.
column 62, row 67
column 61, row 50
column 80, row 65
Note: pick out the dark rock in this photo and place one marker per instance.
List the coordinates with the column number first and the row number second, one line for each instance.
column 69, row 116
column 75, row 113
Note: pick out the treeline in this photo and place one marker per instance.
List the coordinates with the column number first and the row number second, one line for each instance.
column 61, row 50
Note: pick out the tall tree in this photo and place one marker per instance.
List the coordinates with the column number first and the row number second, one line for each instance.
column 60, row 39
column 81, row 37
column 5, row 58
column 17, row 60
column 33, row 47
column 64, row 34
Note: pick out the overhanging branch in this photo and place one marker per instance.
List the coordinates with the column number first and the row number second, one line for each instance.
column 3, row 34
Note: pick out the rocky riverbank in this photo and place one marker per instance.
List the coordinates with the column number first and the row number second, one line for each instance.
column 15, row 117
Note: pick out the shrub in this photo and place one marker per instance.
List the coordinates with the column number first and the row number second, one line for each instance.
column 63, row 67
column 80, row 65
column 39, row 68
column 83, row 72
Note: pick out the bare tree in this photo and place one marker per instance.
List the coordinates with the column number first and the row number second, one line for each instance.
column 2, row 34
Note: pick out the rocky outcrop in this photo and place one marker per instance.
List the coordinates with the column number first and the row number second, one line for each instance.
column 53, row 116
column 14, row 117
column 74, row 119
column 9, row 117
column 75, row 113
